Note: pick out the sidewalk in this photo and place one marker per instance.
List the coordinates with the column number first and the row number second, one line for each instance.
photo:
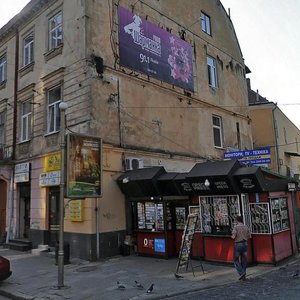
column 35, row 277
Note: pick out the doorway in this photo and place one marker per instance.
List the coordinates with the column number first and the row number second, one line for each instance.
column 24, row 207
column 3, row 200
column 53, row 216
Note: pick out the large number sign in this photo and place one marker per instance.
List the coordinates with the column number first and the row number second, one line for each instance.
column 83, row 166
column 147, row 48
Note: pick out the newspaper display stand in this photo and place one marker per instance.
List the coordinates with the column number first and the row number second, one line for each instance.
column 186, row 245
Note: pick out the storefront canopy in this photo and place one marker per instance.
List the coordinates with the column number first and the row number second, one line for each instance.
column 214, row 178
column 167, row 184
column 250, row 179
column 141, row 182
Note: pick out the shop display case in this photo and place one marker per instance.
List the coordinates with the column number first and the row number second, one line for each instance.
column 180, row 218
column 150, row 216
column 260, row 218
column 279, row 214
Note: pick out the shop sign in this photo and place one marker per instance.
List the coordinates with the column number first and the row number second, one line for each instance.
column 49, row 178
column 252, row 157
column 22, row 172
column 160, row 245
column 75, row 210
column 52, row 162
column 291, row 187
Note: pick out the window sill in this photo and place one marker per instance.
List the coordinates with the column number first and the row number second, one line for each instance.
column 53, row 52
column 26, row 69
column 2, row 84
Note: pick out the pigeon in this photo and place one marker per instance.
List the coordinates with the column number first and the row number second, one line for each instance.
column 150, row 289
column 177, row 276
column 121, row 286
column 296, row 274
column 138, row 285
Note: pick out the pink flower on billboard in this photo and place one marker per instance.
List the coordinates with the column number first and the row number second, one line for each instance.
column 179, row 62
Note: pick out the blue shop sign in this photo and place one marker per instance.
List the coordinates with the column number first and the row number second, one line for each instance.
column 160, row 245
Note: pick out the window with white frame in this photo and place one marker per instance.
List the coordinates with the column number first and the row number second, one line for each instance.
column 28, row 49
column 26, row 114
column 212, row 72
column 55, row 31
column 205, row 23
column 53, row 113
column 2, row 129
column 3, row 66
column 217, row 131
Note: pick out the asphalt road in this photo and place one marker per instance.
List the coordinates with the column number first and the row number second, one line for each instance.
column 283, row 283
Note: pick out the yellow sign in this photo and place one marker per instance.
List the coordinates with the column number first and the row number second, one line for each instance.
column 76, row 210
column 53, row 162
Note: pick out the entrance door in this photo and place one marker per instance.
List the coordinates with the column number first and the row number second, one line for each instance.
column 24, row 210
column 53, row 216
column 3, row 199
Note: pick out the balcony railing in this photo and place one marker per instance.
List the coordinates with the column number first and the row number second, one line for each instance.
column 5, row 152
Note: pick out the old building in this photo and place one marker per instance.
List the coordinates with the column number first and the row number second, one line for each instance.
column 272, row 128
column 160, row 88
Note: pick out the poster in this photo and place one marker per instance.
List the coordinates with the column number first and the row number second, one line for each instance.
column 83, row 166
column 147, row 48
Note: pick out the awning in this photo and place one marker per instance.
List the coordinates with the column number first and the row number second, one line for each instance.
column 141, row 182
column 250, row 179
column 167, row 184
column 183, row 185
column 214, row 178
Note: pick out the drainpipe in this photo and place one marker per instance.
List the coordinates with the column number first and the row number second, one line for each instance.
column 276, row 142
column 14, row 138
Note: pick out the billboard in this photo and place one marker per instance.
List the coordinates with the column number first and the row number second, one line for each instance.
column 84, row 172
column 149, row 49
column 252, row 157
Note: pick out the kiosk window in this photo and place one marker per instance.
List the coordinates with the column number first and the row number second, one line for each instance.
column 150, row 216
column 279, row 214
column 218, row 213
column 260, row 220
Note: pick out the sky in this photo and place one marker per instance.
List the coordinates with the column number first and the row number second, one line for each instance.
column 269, row 36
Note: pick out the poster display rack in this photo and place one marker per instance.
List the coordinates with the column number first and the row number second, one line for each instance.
column 184, row 259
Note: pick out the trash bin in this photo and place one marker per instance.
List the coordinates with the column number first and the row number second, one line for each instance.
column 66, row 253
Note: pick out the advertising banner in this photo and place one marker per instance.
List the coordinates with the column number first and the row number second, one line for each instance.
column 83, row 166
column 252, row 157
column 149, row 49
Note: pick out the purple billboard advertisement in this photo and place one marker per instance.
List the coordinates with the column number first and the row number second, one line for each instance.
column 149, row 49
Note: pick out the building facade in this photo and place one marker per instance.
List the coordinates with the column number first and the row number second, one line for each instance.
column 272, row 128
column 159, row 87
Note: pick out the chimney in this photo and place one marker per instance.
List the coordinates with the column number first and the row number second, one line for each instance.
column 257, row 96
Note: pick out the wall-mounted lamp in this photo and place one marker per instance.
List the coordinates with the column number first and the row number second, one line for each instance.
column 206, row 183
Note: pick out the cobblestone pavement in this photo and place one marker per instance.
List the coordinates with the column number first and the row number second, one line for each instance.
column 283, row 283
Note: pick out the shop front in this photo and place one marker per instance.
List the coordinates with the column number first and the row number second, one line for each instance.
column 218, row 192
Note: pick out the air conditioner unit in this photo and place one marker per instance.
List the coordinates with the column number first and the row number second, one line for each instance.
column 133, row 163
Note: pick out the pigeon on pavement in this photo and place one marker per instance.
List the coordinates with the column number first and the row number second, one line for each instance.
column 150, row 289
column 177, row 276
column 121, row 286
column 138, row 285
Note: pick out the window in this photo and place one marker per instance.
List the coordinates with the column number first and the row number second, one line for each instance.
column 217, row 131
column 2, row 131
column 28, row 50
column 55, row 31
column 26, row 121
column 218, row 213
column 2, row 68
column 205, row 23
column 212, row 71
column 53, row 113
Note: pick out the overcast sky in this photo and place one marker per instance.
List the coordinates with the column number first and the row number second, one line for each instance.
column 269, row 35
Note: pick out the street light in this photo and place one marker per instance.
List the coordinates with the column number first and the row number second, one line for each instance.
column 60, row 261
